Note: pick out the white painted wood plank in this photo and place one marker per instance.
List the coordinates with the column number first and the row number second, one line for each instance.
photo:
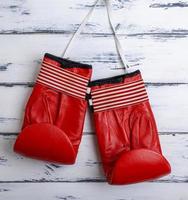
column 17, row 168
column 169, row 105
column 159, row 60
column 138, row 16
column 14, row 167
column 11, row 116
column 93, row 191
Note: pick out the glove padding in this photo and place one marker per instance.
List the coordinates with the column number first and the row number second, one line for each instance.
column 126, row 130
column 55, row 112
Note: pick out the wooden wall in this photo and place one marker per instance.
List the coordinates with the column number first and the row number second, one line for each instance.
column 154, row 35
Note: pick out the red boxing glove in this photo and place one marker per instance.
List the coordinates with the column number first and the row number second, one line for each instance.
column 55, row 112
column 126, row 130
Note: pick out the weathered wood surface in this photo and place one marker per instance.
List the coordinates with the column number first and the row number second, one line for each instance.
column 88, row 167
column 161, row 60
column 169, row 105
column 154, row 35
column 93, row 191
column 131, row 17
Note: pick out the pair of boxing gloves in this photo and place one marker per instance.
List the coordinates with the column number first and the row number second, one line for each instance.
column 125, row 126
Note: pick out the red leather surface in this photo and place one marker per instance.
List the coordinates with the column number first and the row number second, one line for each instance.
column 139, row 165
column 129, row 143
column 47, row 142
column 53, row 123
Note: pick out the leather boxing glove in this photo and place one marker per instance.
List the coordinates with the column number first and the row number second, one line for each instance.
column 126, row 130
column 55, row 112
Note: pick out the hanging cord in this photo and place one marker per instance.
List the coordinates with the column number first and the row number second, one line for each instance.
column 83, row 23
column 117, row 42
column 79, row 30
